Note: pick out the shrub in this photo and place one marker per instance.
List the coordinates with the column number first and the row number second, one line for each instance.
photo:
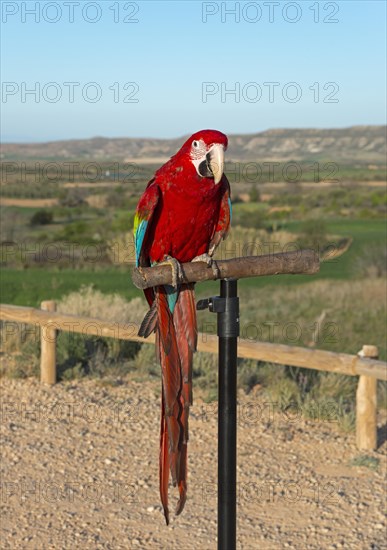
column 254, row 194
column 145, row 363
column 236, row 199
column 10, row 221
column 74, row 231
column 96, row 355
column 313, row 234
column 73, row 197
column 42, row 217
column 372, row 262
column 117, row 198
column 284, row 394
column 365, row 461
column 249, row 219
column 123, row 222
column 248, row 242
column 78, row 354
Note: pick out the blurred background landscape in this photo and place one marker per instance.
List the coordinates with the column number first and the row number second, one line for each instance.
column 67, row 211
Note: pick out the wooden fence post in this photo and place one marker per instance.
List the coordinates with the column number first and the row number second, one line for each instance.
column 366, row 407
column 48, row 348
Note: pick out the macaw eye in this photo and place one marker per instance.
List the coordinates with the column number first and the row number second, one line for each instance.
column 195, row 144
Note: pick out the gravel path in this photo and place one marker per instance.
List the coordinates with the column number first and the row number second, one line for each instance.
column 80, row 470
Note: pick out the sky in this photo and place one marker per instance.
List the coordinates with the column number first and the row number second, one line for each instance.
column 163, row 69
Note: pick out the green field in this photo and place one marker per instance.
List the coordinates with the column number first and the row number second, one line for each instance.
column 32, row 285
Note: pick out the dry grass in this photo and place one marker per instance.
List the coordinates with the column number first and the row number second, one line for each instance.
column 372, row 262
column 241, row 241
column 354, row 314
column 89, row 302
column 76, row 354
column 120, row 250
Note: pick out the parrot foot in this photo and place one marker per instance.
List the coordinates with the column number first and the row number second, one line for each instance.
column 177, row 271
column 210, row 262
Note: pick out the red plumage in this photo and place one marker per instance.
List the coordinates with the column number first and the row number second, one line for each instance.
column 183, row 213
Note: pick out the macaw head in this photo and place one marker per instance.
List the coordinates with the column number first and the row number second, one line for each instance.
column 205, row 151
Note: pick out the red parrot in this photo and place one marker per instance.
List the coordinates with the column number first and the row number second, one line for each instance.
column 182, row 216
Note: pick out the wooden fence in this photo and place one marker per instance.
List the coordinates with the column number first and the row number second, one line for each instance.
column 365, row 365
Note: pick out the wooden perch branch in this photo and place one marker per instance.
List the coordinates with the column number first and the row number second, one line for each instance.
column 296, row 262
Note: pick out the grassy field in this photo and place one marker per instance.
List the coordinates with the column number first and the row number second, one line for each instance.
column 31, row 286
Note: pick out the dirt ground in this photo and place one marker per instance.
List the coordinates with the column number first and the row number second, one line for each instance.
column 79, row 469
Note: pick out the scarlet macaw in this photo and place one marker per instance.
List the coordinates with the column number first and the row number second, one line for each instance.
column 182, row 216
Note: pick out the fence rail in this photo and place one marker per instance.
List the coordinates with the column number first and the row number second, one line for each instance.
column 365, row 364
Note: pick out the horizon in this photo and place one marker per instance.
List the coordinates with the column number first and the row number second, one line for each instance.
column 111, row 138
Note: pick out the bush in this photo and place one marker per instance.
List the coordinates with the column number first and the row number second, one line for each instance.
column 249, row 219
column 78, row 354
column 94, row 355
column 123, row 222
column 254, row 194
column 313, row 234
column 42, row 217
column 74, row 231
column 236, row 199
column 244, row 241
column 117, row 198
column 372, row 262
column 365, row 461
column 73, row 197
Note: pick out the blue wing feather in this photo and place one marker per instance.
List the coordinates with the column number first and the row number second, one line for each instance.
column 143, row 216
column 230, row 208
column 139, row 239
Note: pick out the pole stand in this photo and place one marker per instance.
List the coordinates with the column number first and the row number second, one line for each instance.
column 226, row 306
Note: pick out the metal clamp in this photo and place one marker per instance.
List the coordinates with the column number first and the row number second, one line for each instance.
column 228, row 314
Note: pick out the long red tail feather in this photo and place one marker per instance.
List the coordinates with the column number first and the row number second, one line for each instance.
column 176, row 342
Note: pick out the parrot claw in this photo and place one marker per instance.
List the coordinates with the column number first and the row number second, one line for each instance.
column 177, row 271
column 210, row 263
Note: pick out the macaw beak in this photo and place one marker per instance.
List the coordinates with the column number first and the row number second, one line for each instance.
column 215, row 159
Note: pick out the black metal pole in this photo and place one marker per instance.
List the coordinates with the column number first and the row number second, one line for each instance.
column 228, row 332
column 227, row 307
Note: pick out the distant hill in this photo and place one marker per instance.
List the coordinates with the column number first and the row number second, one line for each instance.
column 355, row 144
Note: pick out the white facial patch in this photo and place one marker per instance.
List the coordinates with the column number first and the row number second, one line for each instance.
column 198, row 153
